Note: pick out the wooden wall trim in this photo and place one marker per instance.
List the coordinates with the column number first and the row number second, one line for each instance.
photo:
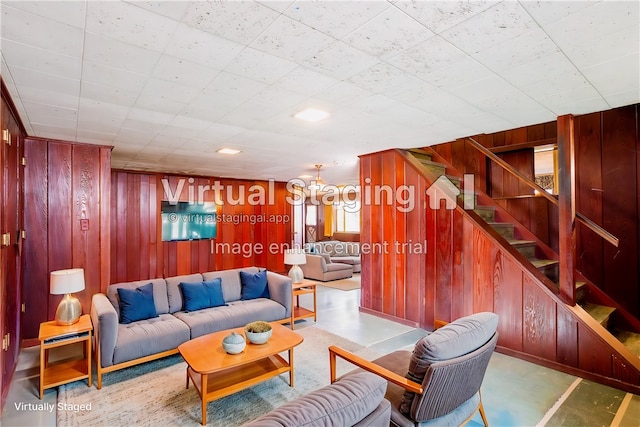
column 567, row 208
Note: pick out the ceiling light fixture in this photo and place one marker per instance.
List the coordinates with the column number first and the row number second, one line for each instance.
column 317, row 184
column 228, row 151
column 311, row 115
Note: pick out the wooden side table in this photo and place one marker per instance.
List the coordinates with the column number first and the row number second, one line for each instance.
column 297, row 312
column 53, row 335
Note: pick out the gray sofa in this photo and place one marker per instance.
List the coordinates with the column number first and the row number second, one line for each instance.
column 338, row 251
column 356, row 399
column 320, row 267
column 119, row 345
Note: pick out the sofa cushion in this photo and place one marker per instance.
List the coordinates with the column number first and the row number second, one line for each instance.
column 231, row 287
column 254, row 285
column 136, row 304
column 202, row 295
column 457, row 338
column 159, row 294
column 151, row 336
column 344, row 403
column 174, row 294
column 234, row 315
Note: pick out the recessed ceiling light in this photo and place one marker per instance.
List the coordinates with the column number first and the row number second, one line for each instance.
column 305, row 176
column 311, row 115
column 228, row 151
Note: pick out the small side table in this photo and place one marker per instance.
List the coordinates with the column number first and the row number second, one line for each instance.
column 297, row 312
column 53, row 335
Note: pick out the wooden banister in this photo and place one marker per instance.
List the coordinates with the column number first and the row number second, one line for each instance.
column 542, row 192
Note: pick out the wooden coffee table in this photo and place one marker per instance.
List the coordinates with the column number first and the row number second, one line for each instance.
column 216, row 374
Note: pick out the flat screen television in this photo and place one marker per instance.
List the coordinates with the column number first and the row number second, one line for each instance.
column 185, row 221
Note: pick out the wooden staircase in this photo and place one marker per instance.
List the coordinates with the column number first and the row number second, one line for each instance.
column 533, row 253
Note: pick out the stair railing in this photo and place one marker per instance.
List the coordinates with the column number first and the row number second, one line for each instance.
column 506, row 166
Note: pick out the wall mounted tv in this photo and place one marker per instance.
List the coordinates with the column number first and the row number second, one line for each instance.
column 185, row 221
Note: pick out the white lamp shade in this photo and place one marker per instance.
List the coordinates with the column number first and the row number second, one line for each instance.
column 294, row 257
column 66, row 281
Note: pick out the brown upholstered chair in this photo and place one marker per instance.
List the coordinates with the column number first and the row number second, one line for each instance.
column 439, row 382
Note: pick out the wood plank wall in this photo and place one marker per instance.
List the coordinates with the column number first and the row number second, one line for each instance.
column 607, row 189
column 11, row 221
column 248, row 233
column 465, row 270
column 64, row 183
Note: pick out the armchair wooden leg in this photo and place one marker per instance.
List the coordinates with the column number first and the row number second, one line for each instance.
column 482, row 414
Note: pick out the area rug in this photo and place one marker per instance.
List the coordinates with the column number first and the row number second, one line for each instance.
column 154, row 393
column 343, row 284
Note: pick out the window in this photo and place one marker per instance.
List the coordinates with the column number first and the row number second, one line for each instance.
column 545, row 165
column 347, row 217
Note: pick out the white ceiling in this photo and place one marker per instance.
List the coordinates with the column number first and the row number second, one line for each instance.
column 168, row 83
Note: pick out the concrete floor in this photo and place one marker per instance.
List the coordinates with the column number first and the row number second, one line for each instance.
column 514, row 392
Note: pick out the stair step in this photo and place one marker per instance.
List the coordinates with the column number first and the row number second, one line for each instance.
column 505, row 229
column 599, row 312
column 548, row 267
column 434, row 168
column 525, row 247
column 631, row 340
column 420, row 154
column 487, row 213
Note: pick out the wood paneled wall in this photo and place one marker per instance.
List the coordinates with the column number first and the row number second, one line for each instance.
column 11, row 224
column 465, row 270
column 67, row 222
column 251, row 230
column 607, row 188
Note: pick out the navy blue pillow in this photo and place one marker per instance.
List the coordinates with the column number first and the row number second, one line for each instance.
column 254, row 285
column 201, row 295
column 136, row 304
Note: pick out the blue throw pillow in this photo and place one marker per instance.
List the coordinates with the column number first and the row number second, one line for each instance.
column 136, row 304
column 201, row 295
column 254, row 285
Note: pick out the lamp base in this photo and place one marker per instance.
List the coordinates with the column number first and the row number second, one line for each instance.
column 69, row 310
column 296, row 274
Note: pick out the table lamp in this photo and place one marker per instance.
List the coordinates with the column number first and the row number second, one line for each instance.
column 66, row 282
column 295, row 257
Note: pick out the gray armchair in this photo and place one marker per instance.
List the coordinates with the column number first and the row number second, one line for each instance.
column 438, row 384
column 320, row 267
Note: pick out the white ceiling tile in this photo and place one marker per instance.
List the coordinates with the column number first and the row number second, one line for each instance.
column 218, row 132
column 342, row 93
column 188, row 123
column 543, row 68
column 159, row 103
column 625, row 97
column 627, row 76
column 235, row 87
column 46, row 96
column 184, row 72
column 259, row 66
column 586, row 53
column 387, row 34
column 291, row 40
column 593, row 23
column 278, row 99
column 108, row 94
column 117, row 54
column 40, row 32
column 240, row 21
column 277, row 5
column 171, row 91
column 94, row 137
column 305, row 81
column 33, row 79
column 171, row 9
column 504, row 21
column 26, row 56
column 55, row 132
column 133, row 137
column 130, row 24
column 439, row 15
column 141, row 115
column 52, row 111
column 335, row 18
column 429, row 55
column 66, row 12
column 92, row 110
column 550, row 11
column 341, row 61
column 458, row 74
column 384, row 79
column 202, row 48
column 528, row 47
column 116, row 78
